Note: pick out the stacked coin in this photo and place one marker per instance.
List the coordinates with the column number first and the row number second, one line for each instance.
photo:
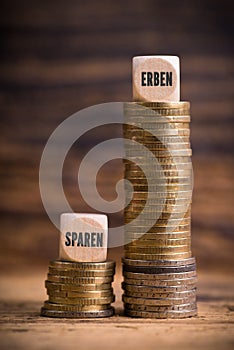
column 79, row 289
column 159, row 271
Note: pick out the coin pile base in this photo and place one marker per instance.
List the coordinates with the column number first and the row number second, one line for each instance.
column 79, row 290
column 159, row 288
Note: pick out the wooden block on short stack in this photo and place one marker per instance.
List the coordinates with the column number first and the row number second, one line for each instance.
column 83, row 237
column 156, row 78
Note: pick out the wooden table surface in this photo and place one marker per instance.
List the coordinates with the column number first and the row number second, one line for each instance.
column 58, row 57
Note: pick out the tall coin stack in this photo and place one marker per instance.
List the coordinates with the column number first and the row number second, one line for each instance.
column 79, row 289
column 158, row 268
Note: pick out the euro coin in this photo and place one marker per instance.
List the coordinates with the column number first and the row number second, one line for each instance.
column 78, row 314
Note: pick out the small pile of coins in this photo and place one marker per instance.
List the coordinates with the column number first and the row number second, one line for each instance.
column 159, row 270
column 79, row 289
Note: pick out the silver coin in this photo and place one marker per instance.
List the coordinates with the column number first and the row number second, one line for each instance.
column 77, row 314
column 157, row 263
column 161, row 315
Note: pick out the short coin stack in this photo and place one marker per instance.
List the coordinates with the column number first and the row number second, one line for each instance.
column 79, row 289
column 159, row 270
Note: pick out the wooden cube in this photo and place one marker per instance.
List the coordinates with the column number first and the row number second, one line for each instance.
column 156, row 78
column 83, row 237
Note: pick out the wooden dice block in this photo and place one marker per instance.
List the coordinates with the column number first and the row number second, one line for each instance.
column 83, row 237
column 156, row 78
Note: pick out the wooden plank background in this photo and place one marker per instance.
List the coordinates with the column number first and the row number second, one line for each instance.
column 58, row 57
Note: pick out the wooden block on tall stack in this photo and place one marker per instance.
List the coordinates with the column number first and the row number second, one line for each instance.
column 156, row 78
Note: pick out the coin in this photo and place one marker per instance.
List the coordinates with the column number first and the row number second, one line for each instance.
column 156, row 302
column 160, row 308
column 140, row 132
column 79, row 280
column 159, row 270
column 77, row 288
column 161, row 218
column 67, row 307
column 163, row 125
column 166, row 314
column 158, row 201
column 158, row 146
column 83, row 265
column 159, row 276
column 159, row 194
column 82, row 301
column 165, row 263
column 143, row 242
column 164, row 236
column 162, row 188
column 176, row 162
column 80, row 273
column 168, row 175
column 71, row 294
column 143, row 155
column 153, row 117
column 78, row 314
column 156, row 181
column 164, row 283
column 156, row 249
column 184, row 105
column 168, row 208
column 155, row 295
column 158, row 289
column 142, row 256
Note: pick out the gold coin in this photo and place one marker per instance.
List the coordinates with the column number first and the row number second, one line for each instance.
column 134, row 174
column 159, row 231
column 153, row 117
column 168, row 256
column 168, row 208
column 106, row 265
column 158, row 201
column 77, row 288
column 79, row 280
column 156, row 249
column 169, row 195
column 160, row 146
column 129, row 131
column 177, row 162
column 180, row 105
column 161, row 276
column 165, row 283
column 158, row 263
column 83, row 301
column 67, row 307
column 157, row 242
column 142, row 156
column 163, row 188
column 169, row 224
column 157, row 181
column 161, row 315
column 166, row 225
column 157, row 238
column 164, row 216
column 145, row 140
column 131, row 124
column 82, row 295
column 80, row 273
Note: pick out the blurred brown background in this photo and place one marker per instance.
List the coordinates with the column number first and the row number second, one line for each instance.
column 58, row 57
